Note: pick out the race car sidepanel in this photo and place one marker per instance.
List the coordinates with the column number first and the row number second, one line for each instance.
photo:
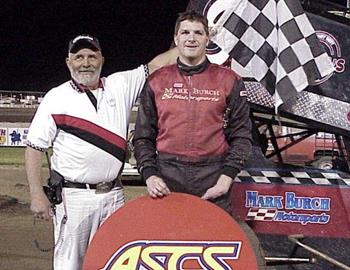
column 299, row 204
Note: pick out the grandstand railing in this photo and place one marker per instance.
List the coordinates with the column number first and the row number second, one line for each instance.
column 20, row 99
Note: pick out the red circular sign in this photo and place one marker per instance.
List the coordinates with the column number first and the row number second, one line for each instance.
column 179, row 231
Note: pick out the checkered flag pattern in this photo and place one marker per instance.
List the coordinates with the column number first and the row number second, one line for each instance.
column 261, row 214
column 307, row 177
column 273, row 42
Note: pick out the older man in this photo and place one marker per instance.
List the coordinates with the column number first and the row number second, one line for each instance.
column 85, row 120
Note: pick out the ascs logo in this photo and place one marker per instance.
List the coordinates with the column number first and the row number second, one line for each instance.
column 177, row 232
column 174, row 255
column 333, row 49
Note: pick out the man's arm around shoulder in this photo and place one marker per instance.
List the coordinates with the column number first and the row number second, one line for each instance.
column 167, row 58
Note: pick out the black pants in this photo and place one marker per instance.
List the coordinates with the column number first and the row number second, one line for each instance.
column 184, row 175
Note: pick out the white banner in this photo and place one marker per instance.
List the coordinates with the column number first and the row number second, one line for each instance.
column 13, row 136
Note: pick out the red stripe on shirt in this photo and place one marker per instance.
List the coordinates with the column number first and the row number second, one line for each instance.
column 63, row 119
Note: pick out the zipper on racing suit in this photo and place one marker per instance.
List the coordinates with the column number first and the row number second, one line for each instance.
column 191, row 116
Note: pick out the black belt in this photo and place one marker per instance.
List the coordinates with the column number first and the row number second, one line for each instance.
column 69, row 184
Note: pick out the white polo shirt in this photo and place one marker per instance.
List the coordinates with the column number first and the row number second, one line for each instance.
column 88, row 144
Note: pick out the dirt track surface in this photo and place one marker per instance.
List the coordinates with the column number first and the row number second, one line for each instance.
column 17, row 232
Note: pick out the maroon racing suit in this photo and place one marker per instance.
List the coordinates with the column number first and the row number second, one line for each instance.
column 193, row 125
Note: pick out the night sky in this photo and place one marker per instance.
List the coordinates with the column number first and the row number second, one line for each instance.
column 34, row 36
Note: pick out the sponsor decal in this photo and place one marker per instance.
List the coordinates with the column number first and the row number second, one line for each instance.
column 243, row 93
column 3, row 136
column 13, row 136
column 333, row 49
column 194, row 94
column 25, row 134
column 288, row 208
column 159, row 255
column 178, row 85
column 213, row 10
column 17, row 136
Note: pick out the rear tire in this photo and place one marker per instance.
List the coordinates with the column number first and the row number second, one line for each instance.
column 324, row 163
column 255, row 243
